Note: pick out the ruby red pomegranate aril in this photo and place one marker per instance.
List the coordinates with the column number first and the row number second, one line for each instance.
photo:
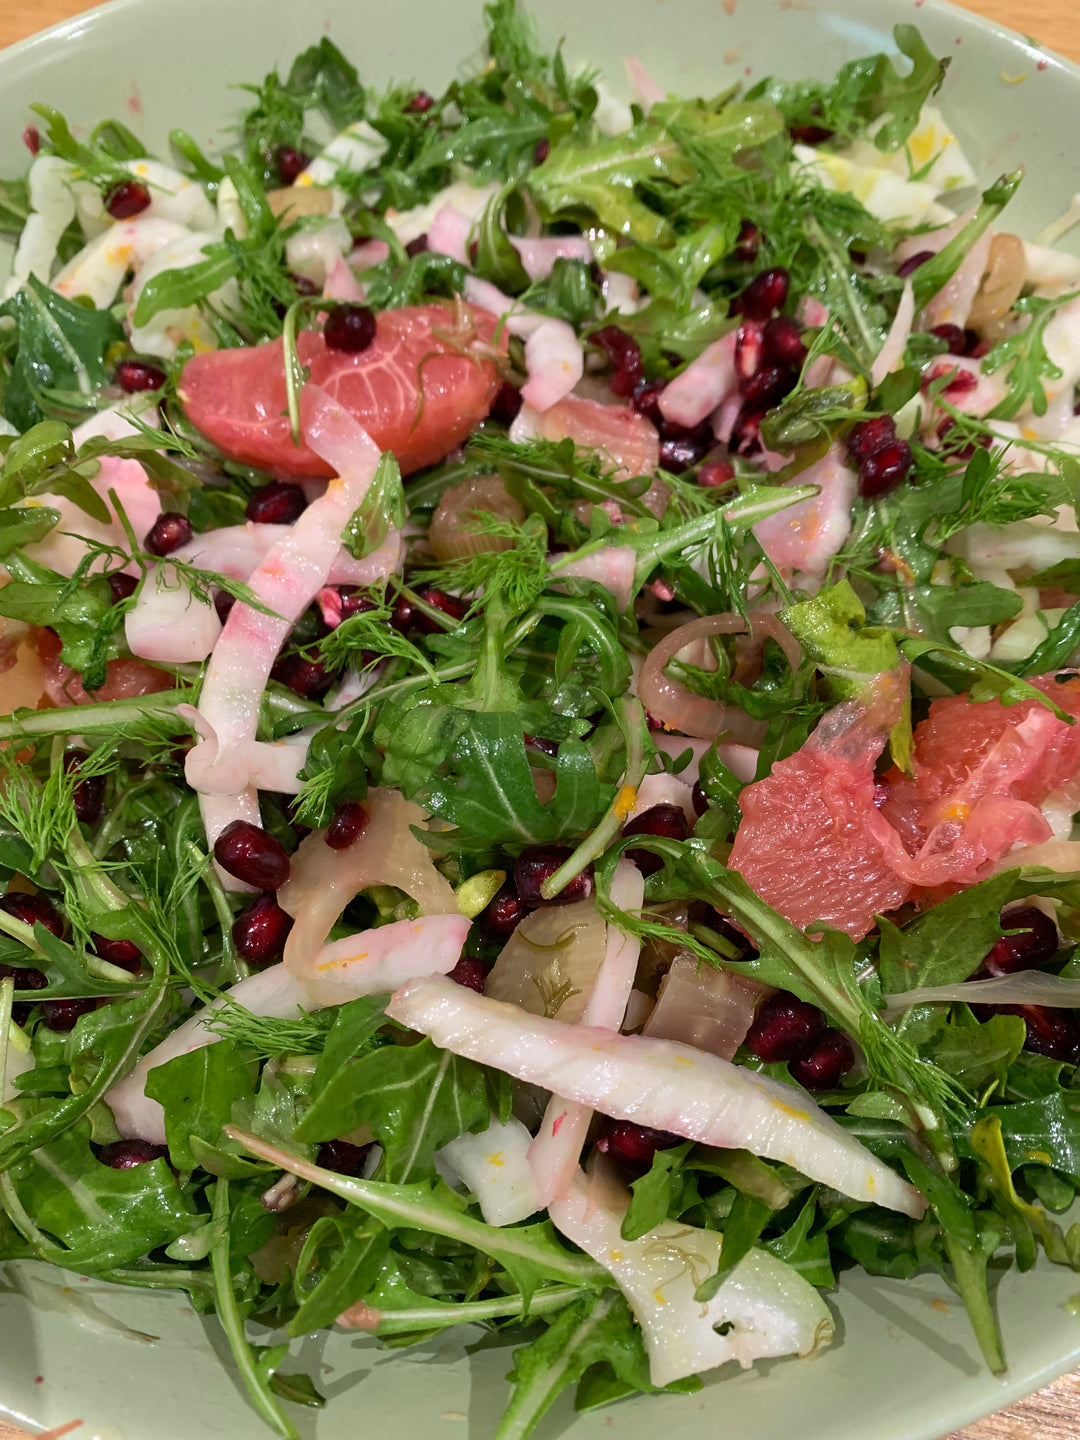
column 223, row 603
column 765, row 294
column 624, row 356
column 749, row 348
column 278, row 503
column 827, row 1063
column 136, row 377
column 715, row 473
column 25, row 977
column 31, row 138
column 785, row 1028
column 646, row 401
column 1035, row 942
column 350, row 328
column 699, row 799
column 954, row 337
column 869, row 436
column 886, row 469
column 748, row 242
column 418, row 246
column 1051, row 1032
column 123, row 953
column 252, row 855
column 127, row 1154
column 768, row 386
column 782, row 342
column 665, row 821
column 538, row 863
column 347, row 824
column 88, row 796
column 507, row 404
column 290, row 163
column 810, row 134
column 121, row 586
column 415, row 619
column 305, row 677
column 127, row 199
column 64, row 1015
column 633, row 1145
column 168, row 532
column 912, row 263
column 342, row 1157
column 680, row 452
column 746, row 432
column 420, row 103
column 32, row 910
column 504, row 914
column 469, row 972
column 259, row 932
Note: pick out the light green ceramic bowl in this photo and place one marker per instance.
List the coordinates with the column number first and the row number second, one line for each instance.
column 134, row 1366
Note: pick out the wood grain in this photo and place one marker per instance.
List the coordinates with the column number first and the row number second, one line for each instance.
column 1052, row 1413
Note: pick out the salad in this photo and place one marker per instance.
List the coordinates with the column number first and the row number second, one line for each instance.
column 540, row 637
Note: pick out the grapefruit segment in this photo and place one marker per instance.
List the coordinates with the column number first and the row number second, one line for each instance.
column 413, row 390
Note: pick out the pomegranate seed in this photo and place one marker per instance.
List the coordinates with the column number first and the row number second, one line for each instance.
column 666, row 821
column 827, row 1064
column 1036, row 942
column 633, row 1144
column 89, row 794
column 974, row 345
column 137, row 376
column 541, row 151
column 223, row 603
column 542, row 746
column 624, row 357
column 342, row 1158
column 290, row 163
column 24, row 976
column 127, row 199
column 31, row 138
column 252, row 855
column 123, row 953
column 64, row 1015
column 121, row 586
column 954, row 337
column 168, row 532
column 768, row 386
column 749, row 344
column 961, row 381
column 810, row 134
column 724, row 925
column 350, row 328
column 699, row 799
column 126, row 1154
column 507, row 403
column 1055, row 1033
column 537, row 864
column 448, row 605
column 782, row 342
column 417, row 246
column 748, row 242
column 679, row 453
column 31, row 910
column 959, row 451
column 646, row 401
column 715, row 473
column 505, row 913
column 746, row 432
column 870, row 436
column 277, row 503
column 309, row 679
column 911, row 264
column 766, row 293
column 348, row 823
column 885, row 470
column 469, row 972
column 785, row 1029
column 259, row 932
column 420, row 103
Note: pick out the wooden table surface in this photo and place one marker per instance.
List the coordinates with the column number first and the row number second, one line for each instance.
column 1054, row 1413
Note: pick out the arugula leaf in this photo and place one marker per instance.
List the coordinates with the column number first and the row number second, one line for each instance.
column 1025, row 355
column 1057, row 650
column 653, row 1192
column 597, row 1330
column 983, row 681
column 934, row 274
column 343, row 1276
column 416, row 1099
column 979, row 1055
column 81, row 612
column 57, row 347
column 197, row 1091
column 806, row 1253
column 742, row 1229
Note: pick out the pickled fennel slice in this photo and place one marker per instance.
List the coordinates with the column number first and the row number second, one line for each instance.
column 659, row 1083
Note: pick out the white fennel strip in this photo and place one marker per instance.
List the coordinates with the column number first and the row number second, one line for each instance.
column 495, row 1166
column 555, row 1152
column 287, row 580
column 658, row 1083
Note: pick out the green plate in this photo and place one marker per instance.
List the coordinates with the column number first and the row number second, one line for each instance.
column 134, row 1366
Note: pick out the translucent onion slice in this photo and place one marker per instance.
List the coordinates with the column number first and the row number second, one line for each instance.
column 764, row 1308
column 550, row 964
column 658, row 1083
column 453, row 531
column 678, row 708
column 709, row 1009
column 323, row 881
column 1026, row 987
